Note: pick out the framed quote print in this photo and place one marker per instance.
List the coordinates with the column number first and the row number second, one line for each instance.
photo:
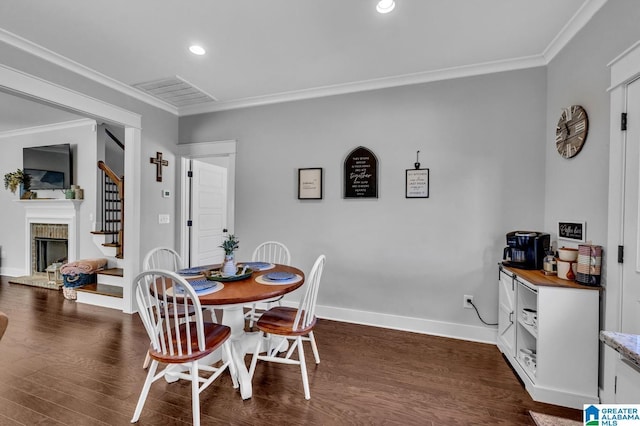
column 417, row 183
column 310, row 184
column 361, row 174
column 572, row 230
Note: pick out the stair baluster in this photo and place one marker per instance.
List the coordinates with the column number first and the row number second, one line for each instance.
column 112, row 209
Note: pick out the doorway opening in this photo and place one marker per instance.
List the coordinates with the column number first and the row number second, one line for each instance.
column 207, row 188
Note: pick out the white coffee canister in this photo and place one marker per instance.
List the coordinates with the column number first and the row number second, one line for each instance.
column 563, row 270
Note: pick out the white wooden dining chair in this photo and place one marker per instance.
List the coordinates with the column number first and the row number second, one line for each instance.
column 4, row 323
column 292, row 324
column 270, row 252
column 178, row 341
column 162, row 258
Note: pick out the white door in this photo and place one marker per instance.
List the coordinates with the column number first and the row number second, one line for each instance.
column 631, row 241
column 208, row 213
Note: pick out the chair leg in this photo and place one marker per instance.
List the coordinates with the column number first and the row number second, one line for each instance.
column 316, row 354
column 145, row 391
column 303, row 369
column 254, row 359
column 195, row 393
column 252, row 314
column 228, row 349
column 147, row 360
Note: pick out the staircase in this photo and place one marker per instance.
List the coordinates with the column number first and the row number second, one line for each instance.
column 108, row 291
column 110, row 235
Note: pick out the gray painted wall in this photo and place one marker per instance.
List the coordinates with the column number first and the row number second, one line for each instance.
column 488, row 140
column 482, row 139
column 577, row 189
column 12, row 225
column 159, row 133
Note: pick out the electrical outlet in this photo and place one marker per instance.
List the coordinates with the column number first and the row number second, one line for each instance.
column 164, row 218
column 466, row 302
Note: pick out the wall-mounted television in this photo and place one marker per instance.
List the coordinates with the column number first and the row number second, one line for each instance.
column 50, row 167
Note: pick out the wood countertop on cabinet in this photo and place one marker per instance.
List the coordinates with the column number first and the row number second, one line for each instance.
column 537, row 277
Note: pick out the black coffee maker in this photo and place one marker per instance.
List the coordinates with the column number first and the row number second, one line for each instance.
column 526, row 249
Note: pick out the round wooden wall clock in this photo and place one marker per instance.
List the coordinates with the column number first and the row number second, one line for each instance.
column 571, row 132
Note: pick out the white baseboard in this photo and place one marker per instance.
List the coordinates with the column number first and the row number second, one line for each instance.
column 416, row 325
column 12, row 272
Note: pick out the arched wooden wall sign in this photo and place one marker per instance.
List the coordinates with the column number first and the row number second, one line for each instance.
column 361, row 174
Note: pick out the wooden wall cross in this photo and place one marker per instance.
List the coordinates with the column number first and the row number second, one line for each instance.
column 159, row 162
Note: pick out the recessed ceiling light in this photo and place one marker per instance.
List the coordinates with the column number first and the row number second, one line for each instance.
column 197, row 50
column 385, row 6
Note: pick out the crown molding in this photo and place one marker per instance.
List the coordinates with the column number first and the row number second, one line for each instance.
column 71, row 65
column 571, row 28
column 575, row 24
column 48, row 127
column 16, row 81
column 374, row 84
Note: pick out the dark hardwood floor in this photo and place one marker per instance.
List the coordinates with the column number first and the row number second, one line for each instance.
column 64, row 363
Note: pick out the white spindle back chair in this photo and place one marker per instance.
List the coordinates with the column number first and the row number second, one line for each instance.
column 4, row 323
column 270, row 252
column 178, row 341
column 162, row 258
column 293, row 324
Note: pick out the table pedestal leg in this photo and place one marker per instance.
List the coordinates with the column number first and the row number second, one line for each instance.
column 234, row 318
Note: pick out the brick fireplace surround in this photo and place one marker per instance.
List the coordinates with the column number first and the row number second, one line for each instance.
column 55, row 218
column 56, row 231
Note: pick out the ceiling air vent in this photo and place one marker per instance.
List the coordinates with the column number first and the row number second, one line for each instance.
column 175, row 91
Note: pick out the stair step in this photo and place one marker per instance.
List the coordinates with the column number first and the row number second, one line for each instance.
column 113, row 277
column 102, row 289
column 116, row 272
column 111, row 244
column 104, row 232
column 104, row 295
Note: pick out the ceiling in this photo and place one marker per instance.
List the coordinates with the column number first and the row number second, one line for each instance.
column 261, row 52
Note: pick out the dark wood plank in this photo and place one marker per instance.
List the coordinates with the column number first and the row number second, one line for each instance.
column 62, row 362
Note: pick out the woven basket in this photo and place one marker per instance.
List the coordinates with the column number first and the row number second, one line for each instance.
column 74, row 281
column 69, row 293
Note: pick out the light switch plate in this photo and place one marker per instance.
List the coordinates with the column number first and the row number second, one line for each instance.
column 164, row 218
column 166, row 193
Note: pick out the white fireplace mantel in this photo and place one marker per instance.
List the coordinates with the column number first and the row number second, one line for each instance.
column 55, row 211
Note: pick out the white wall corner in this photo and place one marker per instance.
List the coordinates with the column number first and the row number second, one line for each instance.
column 571, row 28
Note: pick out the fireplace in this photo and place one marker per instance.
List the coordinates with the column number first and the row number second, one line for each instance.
column 49, row 251
column 49, row 244
column 54, row 224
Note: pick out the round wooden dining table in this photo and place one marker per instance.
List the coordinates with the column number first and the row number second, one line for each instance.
column 232, row 298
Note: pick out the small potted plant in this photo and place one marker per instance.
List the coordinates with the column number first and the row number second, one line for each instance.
column 17, row 179
column 229, row 246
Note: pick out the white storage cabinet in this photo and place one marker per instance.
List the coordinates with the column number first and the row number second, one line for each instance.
column 554, row 346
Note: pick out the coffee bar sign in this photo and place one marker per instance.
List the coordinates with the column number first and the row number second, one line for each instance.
column 361, row 174
column 573, row 231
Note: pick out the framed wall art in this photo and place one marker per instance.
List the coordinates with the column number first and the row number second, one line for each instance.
column 310, row 184
column 572, row 230
column 417, row 183
column 361, row 174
